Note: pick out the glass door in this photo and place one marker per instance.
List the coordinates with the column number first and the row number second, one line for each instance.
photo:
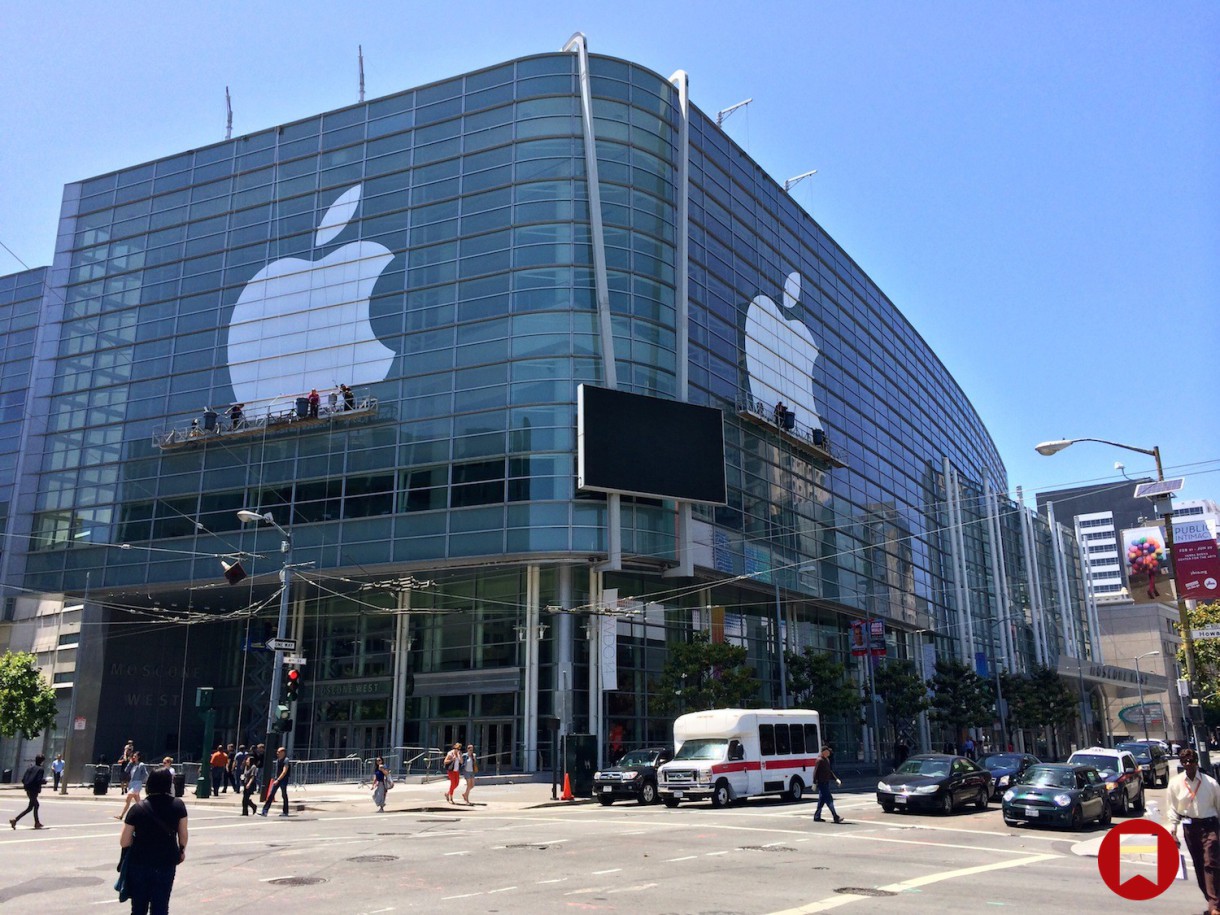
column 495, row 746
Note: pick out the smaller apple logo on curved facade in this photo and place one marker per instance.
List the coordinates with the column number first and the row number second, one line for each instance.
column 301, row 324
column 780, row 353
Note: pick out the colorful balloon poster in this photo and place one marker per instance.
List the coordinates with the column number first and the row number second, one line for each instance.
column 1146, row 562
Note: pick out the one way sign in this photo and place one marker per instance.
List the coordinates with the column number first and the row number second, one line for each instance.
column 282, row 644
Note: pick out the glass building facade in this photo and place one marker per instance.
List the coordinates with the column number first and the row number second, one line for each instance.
column 464, row 255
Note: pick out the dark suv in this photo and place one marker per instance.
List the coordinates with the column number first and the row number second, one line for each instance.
column 1153, row 760
column 634, row 778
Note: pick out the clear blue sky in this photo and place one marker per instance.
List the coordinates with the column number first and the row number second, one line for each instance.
column 1034, row 185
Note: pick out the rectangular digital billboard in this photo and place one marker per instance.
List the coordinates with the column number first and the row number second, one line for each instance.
column 647, row 446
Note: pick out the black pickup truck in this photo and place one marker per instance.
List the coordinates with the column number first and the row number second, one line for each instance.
column 634, row 778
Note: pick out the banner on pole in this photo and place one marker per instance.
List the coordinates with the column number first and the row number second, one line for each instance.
column 1196, row 560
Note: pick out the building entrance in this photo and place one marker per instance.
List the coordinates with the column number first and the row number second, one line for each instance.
column 494, row 741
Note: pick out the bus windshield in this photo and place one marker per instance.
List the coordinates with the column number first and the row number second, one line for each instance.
column 702, row 749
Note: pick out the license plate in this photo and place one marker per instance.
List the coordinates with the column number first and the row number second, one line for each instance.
column 606, row 789
column 1031, row 812
column 900, row 799
column 677, row 793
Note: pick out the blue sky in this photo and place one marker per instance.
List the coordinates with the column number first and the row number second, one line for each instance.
column 1034, row 185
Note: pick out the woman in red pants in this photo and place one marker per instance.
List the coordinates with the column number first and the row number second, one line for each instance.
column 453, row 766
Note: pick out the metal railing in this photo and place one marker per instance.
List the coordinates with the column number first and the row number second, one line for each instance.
column 350, row 769
column 815, row 438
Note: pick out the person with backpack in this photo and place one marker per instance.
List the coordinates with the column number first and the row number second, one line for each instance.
column 32, row 781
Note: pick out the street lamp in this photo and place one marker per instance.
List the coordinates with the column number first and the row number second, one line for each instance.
column 1188, row 642
column 1139, row 681
column 277, row 670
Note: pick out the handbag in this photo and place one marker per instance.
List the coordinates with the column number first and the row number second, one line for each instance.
column 120, row 885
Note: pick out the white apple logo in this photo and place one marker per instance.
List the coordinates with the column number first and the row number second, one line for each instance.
column 303, row 324
column 780, row 354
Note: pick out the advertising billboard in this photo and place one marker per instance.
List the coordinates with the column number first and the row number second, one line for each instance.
column 1196, row 560
column 1146, row 564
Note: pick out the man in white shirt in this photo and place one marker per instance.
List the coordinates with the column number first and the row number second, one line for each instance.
column 1194, row 806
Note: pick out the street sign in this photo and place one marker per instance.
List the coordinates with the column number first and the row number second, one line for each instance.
column 1207, row 632
column 282, row 644
column 294, row 660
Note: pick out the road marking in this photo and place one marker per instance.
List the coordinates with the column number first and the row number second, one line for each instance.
column 555, row 880
column 462, row 896
column 638, row 888
column 713, row 854
column 613, row 870
column 686, row 858
column 504, row 889
column 269, row 879
column 450, row 854
column 833, row 902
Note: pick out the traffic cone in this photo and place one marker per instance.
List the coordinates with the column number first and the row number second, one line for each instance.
column 567, row 789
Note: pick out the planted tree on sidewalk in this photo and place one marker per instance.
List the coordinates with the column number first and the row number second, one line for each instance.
column 961, row 698
column 27, row 701
column 702, row 674
column 1206, row 686
column 817, row 681
column 903, row 691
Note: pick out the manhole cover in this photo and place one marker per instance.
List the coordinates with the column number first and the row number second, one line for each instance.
column 373, row 859
column 863, row 891
column 297, row 881
column 765, row 848
column 527, row 845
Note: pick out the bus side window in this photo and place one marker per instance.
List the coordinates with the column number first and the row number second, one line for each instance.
column 783, row 744
column 766, row 739
column 798, row 738
column 813, row 743
column 736, row 751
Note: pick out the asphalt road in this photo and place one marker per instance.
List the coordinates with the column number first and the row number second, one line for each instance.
column 506, row 854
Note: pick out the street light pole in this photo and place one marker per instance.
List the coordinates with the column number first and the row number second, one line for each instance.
column 1139, row 681
column 1188, row 642
column 277, row 669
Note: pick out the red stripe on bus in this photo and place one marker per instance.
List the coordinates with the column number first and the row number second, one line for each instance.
column 720, row 768
column 807, row 763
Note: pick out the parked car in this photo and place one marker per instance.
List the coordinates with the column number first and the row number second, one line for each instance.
column 935, row 781
column 634, row 777
column 1122, row 773
column 1153, row 760
column 1059, row 794
column 1005, row 767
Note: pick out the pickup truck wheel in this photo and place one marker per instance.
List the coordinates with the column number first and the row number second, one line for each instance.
column 720, row 794
column 605, row 801
column 670, row 802
column 648, row 794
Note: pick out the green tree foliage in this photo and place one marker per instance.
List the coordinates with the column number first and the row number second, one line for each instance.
column 1206, row 687
column 902, row 690
column 1039, row 699
column 27, row 701
column 702, row 674
column 817, row 681
column 962, row 699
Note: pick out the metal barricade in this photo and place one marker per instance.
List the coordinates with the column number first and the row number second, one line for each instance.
column 349, row 770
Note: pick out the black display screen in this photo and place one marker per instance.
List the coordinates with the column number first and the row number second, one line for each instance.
column 647, row 446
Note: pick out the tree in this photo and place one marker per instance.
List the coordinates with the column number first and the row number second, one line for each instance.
column 1056, row 704
column 902, row 690
column 961, row 697
column 1023, row 708
column 702, row 674
column 27, row 701
column 817, row 681
column 1206, row 685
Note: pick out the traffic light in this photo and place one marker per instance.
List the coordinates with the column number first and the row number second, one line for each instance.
column 292, row 685
column 233, row 572
column 282, row 723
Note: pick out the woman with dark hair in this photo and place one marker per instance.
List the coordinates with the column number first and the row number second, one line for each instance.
column 155, row 835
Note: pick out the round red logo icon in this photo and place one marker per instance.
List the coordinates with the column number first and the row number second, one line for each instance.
column 1138, row 859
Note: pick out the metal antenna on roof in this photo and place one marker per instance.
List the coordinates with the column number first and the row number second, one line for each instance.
column 360, row 57
column 725, row 112
column 229, row 115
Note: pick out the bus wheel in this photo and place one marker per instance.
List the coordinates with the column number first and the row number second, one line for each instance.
column 797, row 791
column 720, row 794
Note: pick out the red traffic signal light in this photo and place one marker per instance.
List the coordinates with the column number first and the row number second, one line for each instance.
column 292, row 685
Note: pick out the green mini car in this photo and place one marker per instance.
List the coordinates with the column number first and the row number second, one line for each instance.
column 1058, row 794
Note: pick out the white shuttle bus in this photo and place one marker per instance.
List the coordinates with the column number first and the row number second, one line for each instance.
column 730, row 754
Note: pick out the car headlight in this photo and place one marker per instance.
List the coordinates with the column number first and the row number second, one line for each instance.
column 1001, row 781
column 1010, row 794
column 882, row 786
column 1063, row 799
column 628, row 776
column 1110, row 786
column 705, row 774
column 927, row 789
column 596, row 775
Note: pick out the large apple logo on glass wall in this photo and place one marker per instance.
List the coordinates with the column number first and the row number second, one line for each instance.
column 780, row 353
column 302, row 324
